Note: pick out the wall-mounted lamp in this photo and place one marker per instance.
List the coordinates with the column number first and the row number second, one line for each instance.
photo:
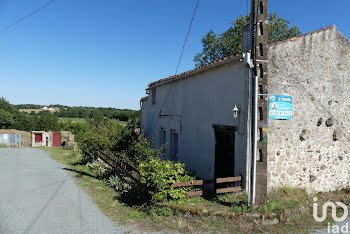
column 235, row 112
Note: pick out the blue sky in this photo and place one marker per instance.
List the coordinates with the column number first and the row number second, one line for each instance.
column 105, row 52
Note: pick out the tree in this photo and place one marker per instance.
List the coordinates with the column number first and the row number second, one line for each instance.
column 219, row 46
column 24, row 122
column 6, row 119
column 47, row 122
column 6, row 106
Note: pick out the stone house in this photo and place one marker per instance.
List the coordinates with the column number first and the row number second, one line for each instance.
column 193, row 115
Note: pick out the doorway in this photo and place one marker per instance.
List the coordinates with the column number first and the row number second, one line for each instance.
column 224, row 151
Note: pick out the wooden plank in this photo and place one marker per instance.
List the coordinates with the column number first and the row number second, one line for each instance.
column 194, row 194
column 117, row 162
column 121, row 165
column 228, row 179
column 228, row 190
column 187, row 183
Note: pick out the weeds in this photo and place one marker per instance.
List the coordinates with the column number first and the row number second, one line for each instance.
column 98, row 168
column 150, row 218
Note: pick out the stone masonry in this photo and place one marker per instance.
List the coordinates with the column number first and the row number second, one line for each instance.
column 312, row 149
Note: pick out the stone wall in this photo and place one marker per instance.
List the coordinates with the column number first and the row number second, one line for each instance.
column 312, row 149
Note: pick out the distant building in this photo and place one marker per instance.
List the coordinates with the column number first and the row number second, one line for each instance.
column 45, row 108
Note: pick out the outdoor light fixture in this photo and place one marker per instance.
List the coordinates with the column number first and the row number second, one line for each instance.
column 235, row 112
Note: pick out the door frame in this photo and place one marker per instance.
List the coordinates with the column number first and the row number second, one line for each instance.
column 232, row 129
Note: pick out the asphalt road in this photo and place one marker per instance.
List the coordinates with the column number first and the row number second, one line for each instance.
column 38, row 196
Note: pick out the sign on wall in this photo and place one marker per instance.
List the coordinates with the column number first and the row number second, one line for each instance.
column 280, row 107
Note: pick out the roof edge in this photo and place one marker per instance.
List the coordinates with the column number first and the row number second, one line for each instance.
column 196, row 70
column 143, row 99
column 304, row 35
column 230, row 59
column 343, row 36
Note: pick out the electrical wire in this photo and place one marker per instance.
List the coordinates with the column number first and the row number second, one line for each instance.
column 26, row 16
column 183, row 48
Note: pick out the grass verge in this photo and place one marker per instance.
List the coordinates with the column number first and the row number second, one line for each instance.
column 293, row 206
column 74, row 120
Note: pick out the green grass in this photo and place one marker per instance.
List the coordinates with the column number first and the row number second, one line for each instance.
column 145, row 218
column 74, row 120
column 3, row 146
column 152, row 218
column 82, row 120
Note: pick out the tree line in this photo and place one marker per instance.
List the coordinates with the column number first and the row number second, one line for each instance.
column 91, row 112
column 85, row 112
column 12, row 118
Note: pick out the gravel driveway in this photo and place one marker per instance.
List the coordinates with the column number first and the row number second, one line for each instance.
column 38, row 196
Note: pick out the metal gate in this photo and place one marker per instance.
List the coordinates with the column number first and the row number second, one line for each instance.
column 11, row 139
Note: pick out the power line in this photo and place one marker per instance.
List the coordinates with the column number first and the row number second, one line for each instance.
column 182, row 51
column 188, row 32
column 26, row 16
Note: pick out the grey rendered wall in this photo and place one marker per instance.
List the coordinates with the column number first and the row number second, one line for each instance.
column 202, row 100
column 315, row 71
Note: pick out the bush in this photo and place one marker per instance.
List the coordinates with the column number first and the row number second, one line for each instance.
column 98, row 168
column 118, row 184
column 113, row 138
column 156, row 174
column 79, row 155
column 161, row 211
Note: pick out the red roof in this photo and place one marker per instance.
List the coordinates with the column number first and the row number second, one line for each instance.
column 143, row 99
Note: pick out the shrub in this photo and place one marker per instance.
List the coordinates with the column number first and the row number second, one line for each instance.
column 241, row 208
column 160, row 211
column 79, row 155
column 118, row 184
column 98, row 168
column 141, row 150
column 156, row 174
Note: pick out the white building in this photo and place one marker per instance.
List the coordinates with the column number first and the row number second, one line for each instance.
column 197, row 121
column 192, row 114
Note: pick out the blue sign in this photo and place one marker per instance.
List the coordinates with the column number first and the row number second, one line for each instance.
column 280, row 107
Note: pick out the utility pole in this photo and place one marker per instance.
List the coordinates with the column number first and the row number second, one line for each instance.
column 259, row 103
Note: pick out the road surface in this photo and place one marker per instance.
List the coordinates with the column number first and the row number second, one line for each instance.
column 38, row 196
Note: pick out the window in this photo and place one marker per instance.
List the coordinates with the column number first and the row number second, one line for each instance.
column 174, row 145
column 154, row 93
column 162, row 137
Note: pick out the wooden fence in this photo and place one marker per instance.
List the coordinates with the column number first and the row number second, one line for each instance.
column 133, row 173
column 118, row 163
column 200, row 183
